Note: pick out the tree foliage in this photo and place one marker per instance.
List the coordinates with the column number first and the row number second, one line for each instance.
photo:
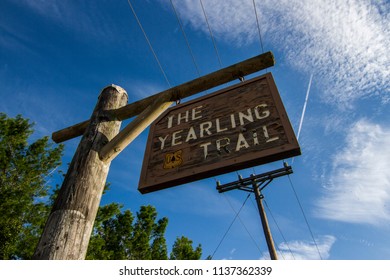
column 24, row 173
column 118, row 235
column 182, row 250
column 26, row 201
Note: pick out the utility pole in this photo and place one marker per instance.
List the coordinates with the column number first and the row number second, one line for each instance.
column 69, row 226
column 264, row 222
column 255, row 184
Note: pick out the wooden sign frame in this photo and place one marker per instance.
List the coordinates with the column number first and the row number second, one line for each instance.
column 234, row 128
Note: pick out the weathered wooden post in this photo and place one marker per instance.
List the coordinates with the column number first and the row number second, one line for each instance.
column 69, row 226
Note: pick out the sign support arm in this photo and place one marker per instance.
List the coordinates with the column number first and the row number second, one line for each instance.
column 182, row 91
column 135, row 128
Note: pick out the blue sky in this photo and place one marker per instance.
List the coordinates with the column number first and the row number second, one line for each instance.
column 56, row 56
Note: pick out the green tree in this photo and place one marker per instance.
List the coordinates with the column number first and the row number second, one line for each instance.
column 25, row 170
column 118, row 235
column 146, row 230
column 26, row 201
column 183, row 250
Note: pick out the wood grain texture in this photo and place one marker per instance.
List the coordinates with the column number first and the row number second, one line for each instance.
column 235, row 128
column 68, row 229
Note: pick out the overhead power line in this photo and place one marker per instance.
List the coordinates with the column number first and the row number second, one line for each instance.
column 148, row 41
column 242, row 223
column 211, row 34
column 185, row 37
column 231, row 224
column 258, row 27
column 280, row 231
column 304, row 216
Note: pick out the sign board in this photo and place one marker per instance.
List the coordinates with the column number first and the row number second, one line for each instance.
column 235, row 128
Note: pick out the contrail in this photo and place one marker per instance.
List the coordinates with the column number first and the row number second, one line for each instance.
column 304, row 106
column 303, row 111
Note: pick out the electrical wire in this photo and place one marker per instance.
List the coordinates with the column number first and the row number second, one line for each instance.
column 242, row 223
column 280, row 231
column 231, row 224
column 148, row 41
column 185, row 37
column 304, row 216
column 211, row 34
column 258, row 27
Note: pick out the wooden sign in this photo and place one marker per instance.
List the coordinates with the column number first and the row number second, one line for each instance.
column 235, row 128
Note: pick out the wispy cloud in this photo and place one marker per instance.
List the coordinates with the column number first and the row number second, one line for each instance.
column 305, row 250
column 228, row 19
column 358, row 189
column 345, row 43
column 86, row 18
column 63, row 12
column 138, row 89
column 11, row 40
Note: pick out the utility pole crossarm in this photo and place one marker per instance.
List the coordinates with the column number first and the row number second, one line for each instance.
column 261, row 178
column 182, row 91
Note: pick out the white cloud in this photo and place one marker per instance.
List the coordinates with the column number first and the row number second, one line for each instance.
column 228, row 19
column 358, row 190
column 345, row 43
column 305, row 250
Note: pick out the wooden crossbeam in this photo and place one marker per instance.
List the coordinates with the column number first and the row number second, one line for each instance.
column 179, row 92
column 133, row 129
